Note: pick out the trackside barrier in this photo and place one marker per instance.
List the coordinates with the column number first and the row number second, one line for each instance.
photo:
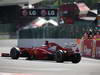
column 29, row 43
column 87, row 51
column 97, row 49
column 90, row 48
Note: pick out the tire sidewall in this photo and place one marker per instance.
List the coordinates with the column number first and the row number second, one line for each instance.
column 14, row 53
column 59, row 56
column 76, row 58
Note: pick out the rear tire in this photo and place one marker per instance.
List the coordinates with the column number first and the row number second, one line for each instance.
column 14, row 53
column 76, row 58
column 59, row 56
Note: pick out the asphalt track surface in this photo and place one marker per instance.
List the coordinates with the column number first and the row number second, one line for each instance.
column 21, row 66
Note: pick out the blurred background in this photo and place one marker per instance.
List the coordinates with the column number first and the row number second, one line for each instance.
column 74, row 17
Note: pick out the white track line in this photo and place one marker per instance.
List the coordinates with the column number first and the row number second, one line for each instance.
column 14, row 74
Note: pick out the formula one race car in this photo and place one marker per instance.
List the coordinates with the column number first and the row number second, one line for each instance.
column 50, row 51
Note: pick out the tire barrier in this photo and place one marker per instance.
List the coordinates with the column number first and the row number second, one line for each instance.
column 90, row 48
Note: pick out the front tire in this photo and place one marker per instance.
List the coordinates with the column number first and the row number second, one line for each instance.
column 59, row 56
column 14, row 53
column 76, row 58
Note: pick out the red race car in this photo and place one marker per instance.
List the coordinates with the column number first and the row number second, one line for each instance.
column 49, row 50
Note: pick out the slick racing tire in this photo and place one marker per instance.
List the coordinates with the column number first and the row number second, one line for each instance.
column 59, row 56
column 76, row 58
column 14, row 53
